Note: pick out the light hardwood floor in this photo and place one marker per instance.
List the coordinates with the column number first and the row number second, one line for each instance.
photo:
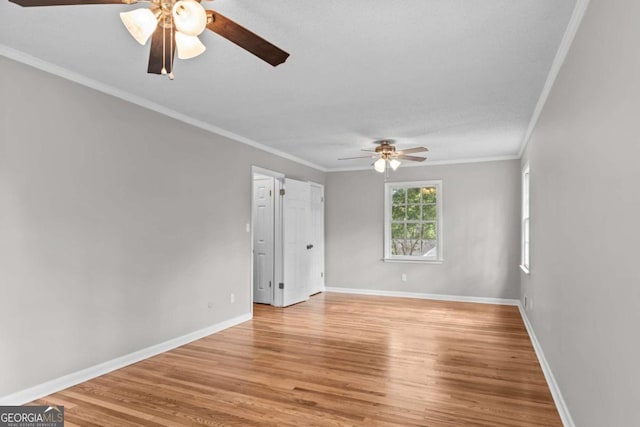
column 336, row 360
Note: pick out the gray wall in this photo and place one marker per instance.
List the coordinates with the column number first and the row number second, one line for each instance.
column 117, row 226
column 481, row 231
column 585, row 275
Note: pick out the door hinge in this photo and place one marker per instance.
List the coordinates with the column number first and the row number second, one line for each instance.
column 321, row 199
column 282, row 191
column 269, row 283
column 322, row 274
column 269, row 193
column 281, row 285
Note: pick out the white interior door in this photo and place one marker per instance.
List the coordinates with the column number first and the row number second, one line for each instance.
column 317, row 239
column 295, row 229
column 263, row 239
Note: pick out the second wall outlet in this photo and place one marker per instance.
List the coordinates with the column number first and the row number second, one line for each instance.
column 404, row 277
column 232, row 298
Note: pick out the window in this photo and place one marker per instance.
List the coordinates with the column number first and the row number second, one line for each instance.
column 413, row 221
column 525, row 263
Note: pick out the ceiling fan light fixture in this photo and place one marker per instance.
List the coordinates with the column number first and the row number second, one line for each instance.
column 380, row 165
column 190, row 17
column 395, row 163
column 141, row 23
column 188, row 46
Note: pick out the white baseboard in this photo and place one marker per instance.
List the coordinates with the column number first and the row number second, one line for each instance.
column 561, row 405
column 439, row 297
column 58, row 384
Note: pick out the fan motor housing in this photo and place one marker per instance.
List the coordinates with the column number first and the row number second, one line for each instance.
column 385, row 146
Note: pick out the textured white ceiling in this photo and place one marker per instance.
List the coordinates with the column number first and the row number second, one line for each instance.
column 461, row 77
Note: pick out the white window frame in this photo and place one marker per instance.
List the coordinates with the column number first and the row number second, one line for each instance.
column 525, row 221
column 388, row 187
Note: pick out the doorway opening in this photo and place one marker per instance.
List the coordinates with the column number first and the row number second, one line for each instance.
column 287, row 238
column 266, row 232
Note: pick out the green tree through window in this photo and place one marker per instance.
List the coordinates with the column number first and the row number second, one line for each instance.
column 412, row 220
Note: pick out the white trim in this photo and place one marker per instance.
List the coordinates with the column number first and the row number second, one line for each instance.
column 53, row 386
column 80, row 79
column 524, row 269
column 432, row 163
column 67, row 74
column 561, row 54
column 561, row 405
column 559, row 401
column 414, row 261
column 438, row 297
column 525, row 218
column 263, row 171
column 437, row 183
column 278, row 177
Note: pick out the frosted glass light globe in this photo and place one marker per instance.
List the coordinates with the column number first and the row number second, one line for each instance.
column 141, row 23
column 190, row 17
column 188, row 46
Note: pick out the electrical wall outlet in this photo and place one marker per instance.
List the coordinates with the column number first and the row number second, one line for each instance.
column 232, row 298
column 404, row 277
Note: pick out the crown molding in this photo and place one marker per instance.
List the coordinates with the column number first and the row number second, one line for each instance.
column 83, row 80
column 434, row 163
column 569, row 34
column 572, row 28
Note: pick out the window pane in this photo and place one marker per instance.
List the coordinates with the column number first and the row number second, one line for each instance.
column 414, row 248
column 428, row 194
column 398, row 213
column 413, row 222
column 429, row 249
column 413, row 231
column 413, row 212
column 413, row 195
column 429, row 212
column 397, row 231
column 429, row 231
column 398, row 196
column 400, row 247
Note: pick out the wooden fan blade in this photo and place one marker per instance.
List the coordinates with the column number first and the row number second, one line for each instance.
column 31, row 3
column 413, row 150
column 247, row 40
column 369, row 151
column 360, row 157
column 412, row 158
column 156, row 59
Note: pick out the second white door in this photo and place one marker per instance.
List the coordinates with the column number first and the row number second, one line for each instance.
column 263, row 239
column 316, row 276
column 296, row 250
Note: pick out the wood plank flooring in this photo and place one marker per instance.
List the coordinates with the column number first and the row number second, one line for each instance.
column 336, row 360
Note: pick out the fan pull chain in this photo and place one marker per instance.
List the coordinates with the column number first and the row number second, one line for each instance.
column 164, row 44
column 171, row 76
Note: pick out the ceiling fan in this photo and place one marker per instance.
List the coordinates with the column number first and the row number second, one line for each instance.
column 176, row 24
column 388, row 157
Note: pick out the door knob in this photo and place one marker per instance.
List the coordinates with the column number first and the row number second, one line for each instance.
column 309, row 246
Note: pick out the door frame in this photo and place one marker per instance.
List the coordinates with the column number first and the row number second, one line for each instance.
column 277, row 218
column 322, row 252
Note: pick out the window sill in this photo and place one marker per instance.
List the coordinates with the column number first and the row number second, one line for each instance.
column 525, row 270
column 414, row 261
